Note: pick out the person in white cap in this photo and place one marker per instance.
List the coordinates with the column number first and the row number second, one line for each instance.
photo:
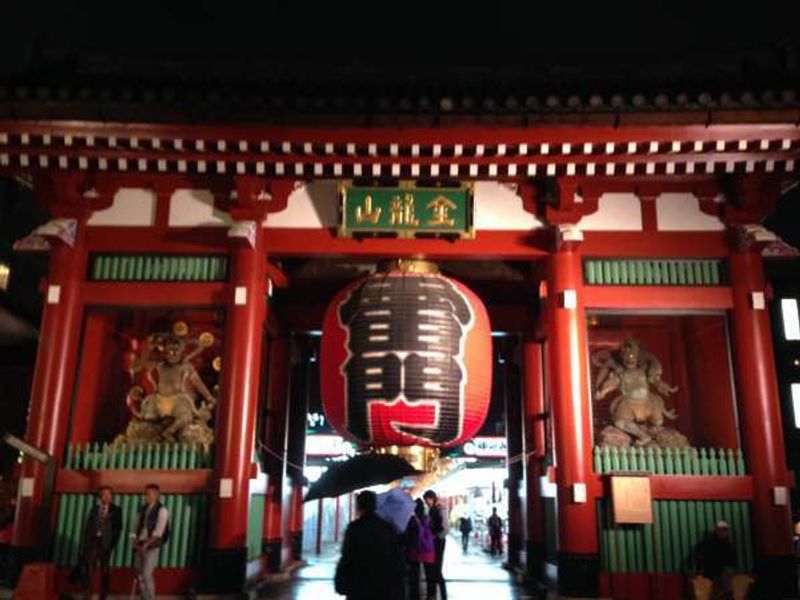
column 717, row 559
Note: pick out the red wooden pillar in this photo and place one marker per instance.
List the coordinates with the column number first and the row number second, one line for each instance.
column 59, row 339
column 51, row 391
column 299, row 389
column 516, row 447
column 533, row 422
column 578, row 561
column 275, row 442
column 236, row 412
column 760, row 418
column 296, row 523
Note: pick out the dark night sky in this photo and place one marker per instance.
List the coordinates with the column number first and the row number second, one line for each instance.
column 403, row 39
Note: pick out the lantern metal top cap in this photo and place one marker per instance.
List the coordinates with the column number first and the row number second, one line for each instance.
column 408, row 265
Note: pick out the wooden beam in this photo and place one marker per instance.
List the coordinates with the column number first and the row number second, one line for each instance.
column 132, row 481
column 657, row 297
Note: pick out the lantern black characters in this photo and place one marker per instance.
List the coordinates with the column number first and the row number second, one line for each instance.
column 406, row 359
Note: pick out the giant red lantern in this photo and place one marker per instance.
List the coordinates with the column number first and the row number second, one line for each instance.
column 406, row 359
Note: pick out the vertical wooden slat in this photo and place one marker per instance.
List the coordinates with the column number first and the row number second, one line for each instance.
column 666, row 534
column 658, row 532
column 62, row 539
column 745, row 543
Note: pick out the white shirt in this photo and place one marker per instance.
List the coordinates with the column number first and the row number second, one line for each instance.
column 161, row 523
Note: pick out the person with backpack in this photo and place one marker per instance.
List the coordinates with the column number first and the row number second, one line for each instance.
column 152, row 532
column 438, row 517
column 420, row 552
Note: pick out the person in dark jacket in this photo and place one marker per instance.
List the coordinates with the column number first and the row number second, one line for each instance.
column 717, row 559
column 100, row 536
column 439, row 530
column 495, row 526
column 465, row 527
column 371, row 566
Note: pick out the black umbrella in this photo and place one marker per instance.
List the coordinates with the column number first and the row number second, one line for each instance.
column 359, row 472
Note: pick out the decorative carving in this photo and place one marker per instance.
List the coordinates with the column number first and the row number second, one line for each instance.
column 244, row 230
column 753, row 235
column 169, row 413
column 638, row 409
column 40, row 240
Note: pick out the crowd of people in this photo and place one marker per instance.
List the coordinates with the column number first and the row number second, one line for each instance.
column 379, row 562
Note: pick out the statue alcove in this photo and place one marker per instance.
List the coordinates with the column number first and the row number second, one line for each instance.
column 692, row 350
column 111, row 370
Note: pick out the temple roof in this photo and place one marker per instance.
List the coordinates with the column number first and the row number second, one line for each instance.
column 318, row 64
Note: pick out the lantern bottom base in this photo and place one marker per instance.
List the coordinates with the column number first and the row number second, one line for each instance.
column 578, row 575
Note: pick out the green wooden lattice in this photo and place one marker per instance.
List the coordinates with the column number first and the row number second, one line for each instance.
column 255, row 521
column 670, row 543
column 188, row 519
column 154, row 267
column 643, row 272
column 138, row 456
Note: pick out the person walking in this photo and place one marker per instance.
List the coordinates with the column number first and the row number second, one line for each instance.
column 152, row 532
column 371, row 566
column 100, row 536
column 439, row 530
column 420, row 552
column 465, row 527
column 495, row 525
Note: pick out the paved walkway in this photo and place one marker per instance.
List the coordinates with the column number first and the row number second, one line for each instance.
column 470, row 576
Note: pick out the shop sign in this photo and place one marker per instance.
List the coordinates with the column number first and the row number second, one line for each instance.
column 328, row 445
column 406, row 211
column 486, row 447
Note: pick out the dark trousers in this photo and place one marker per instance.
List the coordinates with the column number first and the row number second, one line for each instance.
column 465, row 541
column 496, row 543
column 97, row 557
column 413, row 580
column 436, row 571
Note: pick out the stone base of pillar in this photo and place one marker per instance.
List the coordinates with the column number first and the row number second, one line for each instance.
column 16, row 559
column 578, row 575
column 514, row 548
column 534, row 560
column 223, row 571
column 271, row 549
column 297, row 545
column 776, row 576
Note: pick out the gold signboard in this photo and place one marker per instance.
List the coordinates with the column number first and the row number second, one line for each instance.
column 631, row 500
column 406, row 210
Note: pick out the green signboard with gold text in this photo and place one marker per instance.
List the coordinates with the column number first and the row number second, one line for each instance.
column 406, row 211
